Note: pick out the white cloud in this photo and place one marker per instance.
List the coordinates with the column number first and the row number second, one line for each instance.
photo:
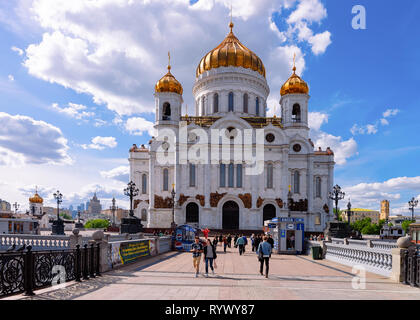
column 373, row 128
column 25, row 140
column 11, row 78
column 18, row 50
column 119, row 56
column 137, row 126
column 100, row 143
column 390, row 113
column 76, row 111
column 121, row 173
column 343, row 149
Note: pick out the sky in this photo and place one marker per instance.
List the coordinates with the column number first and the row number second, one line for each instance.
column 77, row 82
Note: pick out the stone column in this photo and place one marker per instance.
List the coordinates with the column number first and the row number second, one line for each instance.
column 75, row 239
column 104, row 248
column 152, row 180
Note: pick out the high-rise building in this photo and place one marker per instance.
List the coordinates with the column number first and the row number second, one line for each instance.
column 384, row 210
column 95, row 206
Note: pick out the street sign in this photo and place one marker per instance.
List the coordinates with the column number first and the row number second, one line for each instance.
column 290, row 226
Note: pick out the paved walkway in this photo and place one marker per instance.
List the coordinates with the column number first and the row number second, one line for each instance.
column 171, row 277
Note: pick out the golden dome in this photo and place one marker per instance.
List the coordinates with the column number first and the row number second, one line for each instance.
column 231, row 52
column 169, row 84
column 294, row 85
column 36, row 199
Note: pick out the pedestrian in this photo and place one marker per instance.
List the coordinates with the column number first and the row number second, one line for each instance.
column 235, row 240
column 253, row 242
column 270, row 240
column 215, row 241
column 197, row 249
column 264, row 254
column 229, row 240
column 257, row 242
column 240, row 244
column 225, row 243
column 210, row 255
column 245, row 243
column 220, row 239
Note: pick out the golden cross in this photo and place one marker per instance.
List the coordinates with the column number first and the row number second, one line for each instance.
column 294, row 61
column 169, row 60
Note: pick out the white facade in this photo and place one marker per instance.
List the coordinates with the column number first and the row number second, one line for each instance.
column 289, row 159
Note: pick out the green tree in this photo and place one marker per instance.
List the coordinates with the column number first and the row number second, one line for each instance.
column 66, row 216
column 406, row 225
column 97, row 224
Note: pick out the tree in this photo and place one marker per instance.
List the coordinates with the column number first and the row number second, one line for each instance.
column 66, row 216
column 406, row 225
column 97, row 224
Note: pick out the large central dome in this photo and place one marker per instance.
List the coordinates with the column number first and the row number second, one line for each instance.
column 231, row 52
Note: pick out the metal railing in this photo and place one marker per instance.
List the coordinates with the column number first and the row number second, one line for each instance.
column 25, row 272
column 411, row 266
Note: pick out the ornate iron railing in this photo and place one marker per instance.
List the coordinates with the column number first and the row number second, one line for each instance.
column 27, row 271
column 411, row 266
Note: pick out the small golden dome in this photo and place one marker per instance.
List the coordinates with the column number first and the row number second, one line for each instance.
column 168, row 83
column 294, row 85
column 36, row 199
column 231, row 52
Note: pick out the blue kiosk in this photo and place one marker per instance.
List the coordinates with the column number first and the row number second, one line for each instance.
column 184, row 237
column 288, row 234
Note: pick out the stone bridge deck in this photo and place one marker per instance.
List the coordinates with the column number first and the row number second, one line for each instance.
column 171, row 277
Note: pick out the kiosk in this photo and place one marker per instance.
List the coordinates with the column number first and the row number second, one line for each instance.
column 288, row 234
column 184, row 237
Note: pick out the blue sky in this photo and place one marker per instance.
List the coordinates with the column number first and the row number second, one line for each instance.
column 79, row 72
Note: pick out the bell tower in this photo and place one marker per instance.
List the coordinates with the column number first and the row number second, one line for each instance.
column 168, row 99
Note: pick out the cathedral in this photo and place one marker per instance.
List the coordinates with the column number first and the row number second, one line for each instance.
column 230, row 167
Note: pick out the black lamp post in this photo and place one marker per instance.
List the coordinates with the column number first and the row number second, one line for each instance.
column 58, row 225
column 173, row 194
column 336, row 195
column 349, row 212
column 16, row 206
column 131, row 224
column 113, row 208
column 412, row 204
column 289, row 201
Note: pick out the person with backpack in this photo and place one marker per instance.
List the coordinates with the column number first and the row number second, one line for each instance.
column 264, row 254
column 197, row 249
column 240, row 243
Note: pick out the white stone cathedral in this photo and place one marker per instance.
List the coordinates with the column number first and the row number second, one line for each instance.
column 217, row 188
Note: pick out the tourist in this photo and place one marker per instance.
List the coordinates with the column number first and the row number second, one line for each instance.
column 240, row 244
column 245, row 243
column 292, row 241
column 220, row 239
column 253, row 242
column 235, row 240
column 229, row 240
column 225, row 243
column 215, row 240
column 270, row 240
column 257, row 242
column 209, row 256
column 197, row 249
column 264, row 254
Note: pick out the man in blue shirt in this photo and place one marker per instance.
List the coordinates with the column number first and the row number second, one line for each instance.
column 264, row 255
column 197, row 249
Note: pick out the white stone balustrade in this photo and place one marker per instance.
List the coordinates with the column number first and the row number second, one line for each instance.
column 375, row 260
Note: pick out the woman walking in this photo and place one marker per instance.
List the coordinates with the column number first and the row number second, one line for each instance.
column 225, row 243
column 209, row 256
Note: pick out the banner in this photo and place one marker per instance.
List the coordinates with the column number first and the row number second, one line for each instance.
column 129, row 251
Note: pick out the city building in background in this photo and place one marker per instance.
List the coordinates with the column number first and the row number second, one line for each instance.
column 384, row 210
column 95, row 206
column 360, row 214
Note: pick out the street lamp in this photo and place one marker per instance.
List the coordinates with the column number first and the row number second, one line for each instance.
column 336, row 195
column 113, row 208
column 16, row 206
column 131, row 191
column 58, row 226
column 289, row 200
column 349, row 212
column 412, row 204
column 173, row 194
column 131, row 224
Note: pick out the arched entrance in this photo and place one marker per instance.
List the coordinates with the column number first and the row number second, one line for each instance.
column 192, row 213
column 269, row 212
column 230, row 216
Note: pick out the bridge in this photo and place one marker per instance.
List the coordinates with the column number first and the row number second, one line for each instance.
column 170, row 276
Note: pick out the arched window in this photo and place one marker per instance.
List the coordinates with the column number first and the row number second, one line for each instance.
column 230, row 101
column 143, row 214
column 245, row 103
column 296, row 115
column 296, row 182
column 318, row 187
column 222, row 175
column 270, row 176
column 143, row 184
column 257, row 106
column 216, row 103
column 203, row 106
column 192, row 175
column 239, row 176
column 166, row 111
column 165, row 180
column 231, row 175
